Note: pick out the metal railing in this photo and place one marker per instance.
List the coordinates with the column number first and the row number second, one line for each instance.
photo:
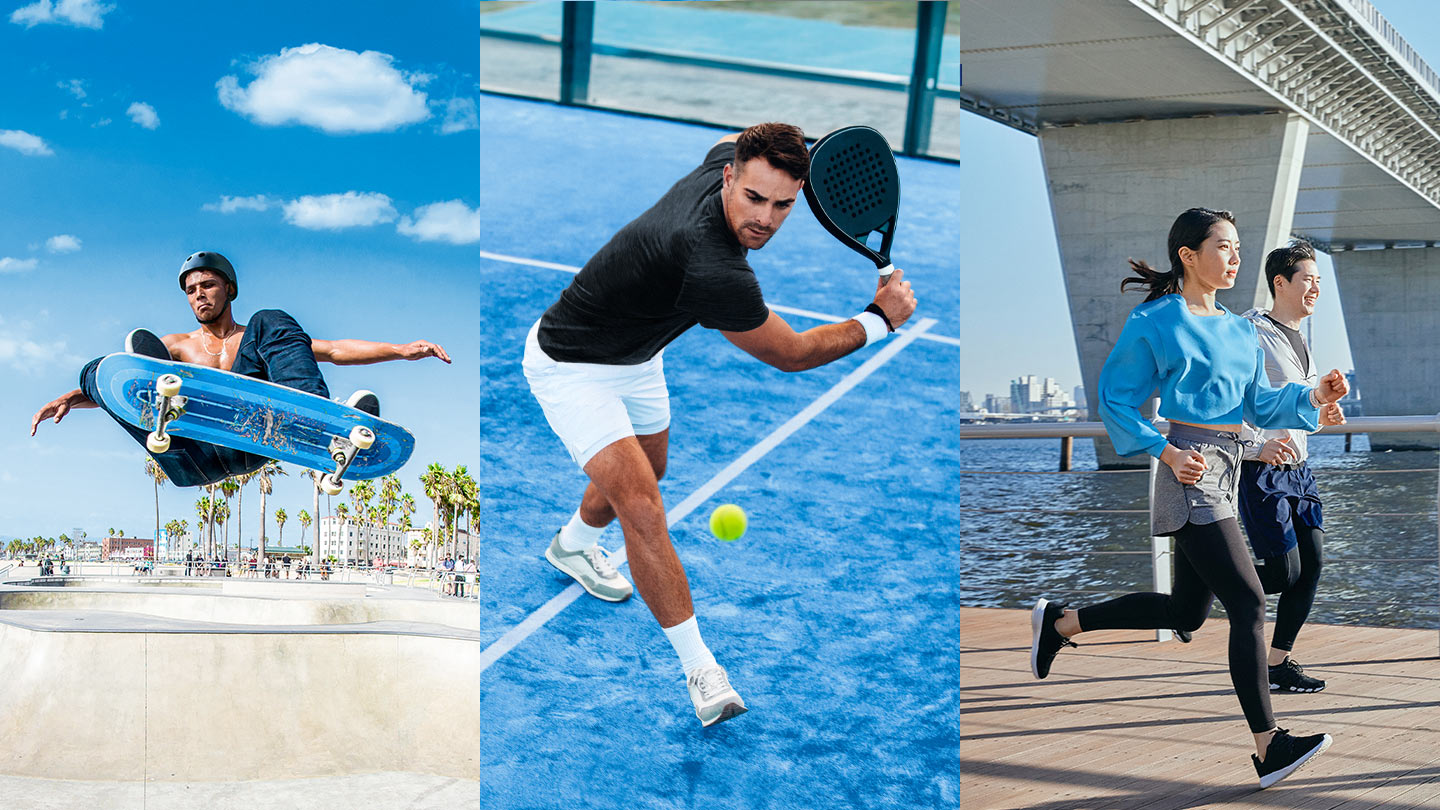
column 457, row 584
column 922, row 87
column 1161, row 552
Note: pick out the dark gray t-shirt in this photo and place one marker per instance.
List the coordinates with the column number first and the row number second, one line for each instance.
column 1297, row 342
column 672, row 267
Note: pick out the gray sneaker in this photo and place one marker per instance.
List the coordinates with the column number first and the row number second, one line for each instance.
column 591, row 569
column 715, row 700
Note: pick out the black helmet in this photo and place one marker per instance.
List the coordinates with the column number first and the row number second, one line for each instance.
column 210, row 260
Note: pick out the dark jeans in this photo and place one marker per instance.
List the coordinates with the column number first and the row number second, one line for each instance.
column 1295, row 576
column 274, row 348
column 1211, row 560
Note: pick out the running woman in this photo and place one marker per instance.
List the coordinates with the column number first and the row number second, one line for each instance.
column 594, row 363
column 1279, row 502
column 1210, row 374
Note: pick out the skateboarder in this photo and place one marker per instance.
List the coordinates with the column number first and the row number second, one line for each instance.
column 272, row 347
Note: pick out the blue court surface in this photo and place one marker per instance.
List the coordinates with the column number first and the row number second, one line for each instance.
column 837, row 615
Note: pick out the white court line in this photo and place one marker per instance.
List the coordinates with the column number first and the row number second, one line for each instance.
column 800, row 313
column 552, row 608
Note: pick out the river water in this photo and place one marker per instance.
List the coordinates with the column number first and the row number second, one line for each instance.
column 1380, row 551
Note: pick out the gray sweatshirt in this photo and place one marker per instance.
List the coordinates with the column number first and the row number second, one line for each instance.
column 1282, row 366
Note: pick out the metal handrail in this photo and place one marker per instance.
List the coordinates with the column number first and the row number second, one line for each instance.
column 1160, row 552
column 1096, row 430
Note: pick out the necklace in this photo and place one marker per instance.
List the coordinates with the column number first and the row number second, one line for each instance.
column 220, row 353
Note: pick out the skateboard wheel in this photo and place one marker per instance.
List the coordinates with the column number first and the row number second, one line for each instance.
column 167, row 385
column 329, row 485
column 157, row 444
column 362, row 437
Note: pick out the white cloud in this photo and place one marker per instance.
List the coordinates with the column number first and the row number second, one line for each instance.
column 336, row 211
column 229, row 205
column 80, row 13
column 76, row 87
column 459, row 116
column 143, row 114
column 10, row 264
column 451, row 221
column 23, row 142
column 332, row 89
column 103, row 122
column 63, row 243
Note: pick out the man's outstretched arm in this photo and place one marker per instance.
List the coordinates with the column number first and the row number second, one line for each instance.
column 776, row 344
column 364, row 352
column 57, row 408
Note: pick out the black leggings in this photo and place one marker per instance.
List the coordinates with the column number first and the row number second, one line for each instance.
column 1212, row 560
column 1295, row 576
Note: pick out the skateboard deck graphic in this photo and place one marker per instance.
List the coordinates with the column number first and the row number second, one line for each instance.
column 243, row 413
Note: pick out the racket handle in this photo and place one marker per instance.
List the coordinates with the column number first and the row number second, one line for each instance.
column 885, row 274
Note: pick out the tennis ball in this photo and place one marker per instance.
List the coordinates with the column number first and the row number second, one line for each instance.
column 728, row 522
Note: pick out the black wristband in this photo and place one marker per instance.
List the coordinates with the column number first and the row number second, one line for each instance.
column 875, row 308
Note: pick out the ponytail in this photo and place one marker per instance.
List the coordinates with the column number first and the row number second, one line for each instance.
column 1189, row 230
column 1160, row 284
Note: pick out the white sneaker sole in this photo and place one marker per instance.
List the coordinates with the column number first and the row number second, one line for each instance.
column 1037, row 620
column 558, row 567
column 727, row 711
column 1271, row 778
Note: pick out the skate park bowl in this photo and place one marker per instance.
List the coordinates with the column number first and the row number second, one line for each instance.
column 166, row 679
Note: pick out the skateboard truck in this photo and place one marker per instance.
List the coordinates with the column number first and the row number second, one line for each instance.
column 344, row 451
column 170, row 407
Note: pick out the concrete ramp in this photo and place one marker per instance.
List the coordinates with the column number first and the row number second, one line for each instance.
column 94, row 693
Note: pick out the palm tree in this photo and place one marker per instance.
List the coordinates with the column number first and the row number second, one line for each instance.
column 315, row 485
column 305, row 521
column 229, row 487
column 343, row 512
column 435, row 482
column 389, row 502
column 158, row 476
column 204, row 514
column 280, row 518
column 360, row 495
column 209, row 548
column 407, row 510
column 467, row 501
column 267, row 471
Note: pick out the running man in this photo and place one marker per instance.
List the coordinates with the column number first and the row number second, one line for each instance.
column 594, row 362
column 272, row 347
column 1279, row 503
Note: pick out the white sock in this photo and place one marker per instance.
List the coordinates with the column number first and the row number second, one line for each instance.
column 579, row 535
column 685, row 638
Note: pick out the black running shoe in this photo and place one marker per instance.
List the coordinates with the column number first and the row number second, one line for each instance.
column 1291, row 677
column 1286, row 753
column 1047, row 641
column 147, row 343
column 364, row 400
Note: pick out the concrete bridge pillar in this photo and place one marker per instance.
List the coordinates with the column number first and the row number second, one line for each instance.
column 1392, row 314
column 1115, row 189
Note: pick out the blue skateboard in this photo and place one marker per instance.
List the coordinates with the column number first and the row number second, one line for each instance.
column 254, row 416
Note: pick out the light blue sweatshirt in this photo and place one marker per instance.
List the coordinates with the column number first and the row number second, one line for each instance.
column 1209, row 371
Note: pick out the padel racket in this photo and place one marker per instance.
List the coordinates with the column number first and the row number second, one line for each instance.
column 854, row 191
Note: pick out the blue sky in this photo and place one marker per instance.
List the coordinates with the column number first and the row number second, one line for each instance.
column 329, row 149
column 1005, row 222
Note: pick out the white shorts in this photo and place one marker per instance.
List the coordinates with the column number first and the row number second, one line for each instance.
column 590, row 405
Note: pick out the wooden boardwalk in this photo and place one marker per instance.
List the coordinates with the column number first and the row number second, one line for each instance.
column 1125, row 723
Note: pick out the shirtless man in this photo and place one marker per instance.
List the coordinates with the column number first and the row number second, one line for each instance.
column 272, row 347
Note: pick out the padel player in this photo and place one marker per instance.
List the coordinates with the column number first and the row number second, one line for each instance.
column 594, row 362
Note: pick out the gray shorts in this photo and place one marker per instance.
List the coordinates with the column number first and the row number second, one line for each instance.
column 1211, row 499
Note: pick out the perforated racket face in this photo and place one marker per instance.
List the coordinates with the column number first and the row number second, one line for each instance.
column 853, row 180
